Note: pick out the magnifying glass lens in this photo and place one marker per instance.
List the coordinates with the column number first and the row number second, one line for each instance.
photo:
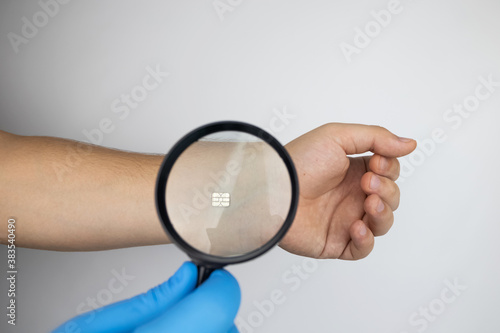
column 228, row 193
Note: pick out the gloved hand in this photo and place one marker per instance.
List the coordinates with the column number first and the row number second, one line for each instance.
column 174, row 306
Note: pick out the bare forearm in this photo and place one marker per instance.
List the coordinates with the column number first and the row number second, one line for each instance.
column 70, row 196
column 257, row 187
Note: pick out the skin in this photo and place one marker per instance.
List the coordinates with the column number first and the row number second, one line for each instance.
column 339, row 211
column 257, row 179
column 68, row 196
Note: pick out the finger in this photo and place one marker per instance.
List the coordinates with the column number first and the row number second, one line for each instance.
column 379, row 216
column 126, row 315
column 384, row 166
column 233, row 329
column 357, row 139
column 212, row 307
column 361, row 243
column 385, row 188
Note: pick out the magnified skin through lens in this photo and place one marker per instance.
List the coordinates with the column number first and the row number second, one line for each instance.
column 254, row 179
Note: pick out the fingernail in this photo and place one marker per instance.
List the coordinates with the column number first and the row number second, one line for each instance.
column 380, row 206
column 374, row 182
column 362, row 230
column 405, row 140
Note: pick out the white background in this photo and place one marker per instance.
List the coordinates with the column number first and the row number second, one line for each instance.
column 261, row 57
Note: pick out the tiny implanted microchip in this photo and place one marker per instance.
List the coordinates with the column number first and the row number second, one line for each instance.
column 221, row 199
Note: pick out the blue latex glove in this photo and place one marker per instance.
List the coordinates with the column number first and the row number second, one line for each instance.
column 174, row 306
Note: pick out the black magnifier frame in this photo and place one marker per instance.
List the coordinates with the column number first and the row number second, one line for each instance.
column 206, row 262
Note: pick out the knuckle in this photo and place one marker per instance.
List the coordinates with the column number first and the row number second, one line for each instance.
column 394, row 190
column 397, row 168
column 379, row 128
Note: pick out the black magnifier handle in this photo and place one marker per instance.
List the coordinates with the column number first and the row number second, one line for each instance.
column 203, row 274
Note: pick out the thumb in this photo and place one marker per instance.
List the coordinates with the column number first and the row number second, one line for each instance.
column 358, row 139
column 126, row 315
column 212, row 307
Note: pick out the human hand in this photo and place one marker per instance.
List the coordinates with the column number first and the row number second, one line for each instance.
column 344, row 202
column 174, row 306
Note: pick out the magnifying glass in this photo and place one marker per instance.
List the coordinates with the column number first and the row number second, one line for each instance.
column 226, row 193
